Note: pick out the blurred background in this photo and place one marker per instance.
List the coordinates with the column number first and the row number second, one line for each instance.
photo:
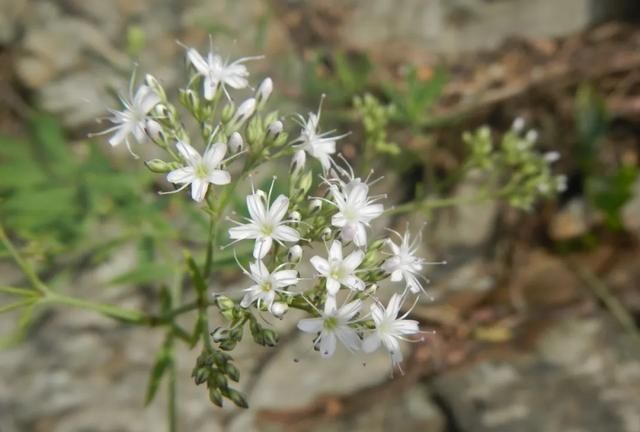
column 536, row 314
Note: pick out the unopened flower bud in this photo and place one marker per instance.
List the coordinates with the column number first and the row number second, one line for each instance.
column 201, row 375
column 224, row 303
column 315, row 205
column 295, row 216
column 278, row 309
column 192, row 100
column 551, row 156
column 518, row 124
column 220, row 334
column 227, row 112
column 154, row 131
column 532, row 136
column 326, row 234
column 232, row 372
column 270, row 337
column 236, row 397
column 273, row 131
column 262, row 195
column 264, row 91
column 161, row 111
column 153, row 83
column 215, row 396
column 158, row 166
column 298, row 161
column 236, row 143
column 294, row 254
column 242, row 114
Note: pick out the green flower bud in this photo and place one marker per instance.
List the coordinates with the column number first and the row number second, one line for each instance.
column 215, row 396
column 232, row 372
column 237, row 398
column 158, row 166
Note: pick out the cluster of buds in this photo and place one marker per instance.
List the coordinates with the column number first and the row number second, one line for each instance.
column 328, row 206
column 526, row 172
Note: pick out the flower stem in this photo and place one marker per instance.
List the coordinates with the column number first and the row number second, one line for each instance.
column 434, row 203
column 130, row 316
column 25, row 266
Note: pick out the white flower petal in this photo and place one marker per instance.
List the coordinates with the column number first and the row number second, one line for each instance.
column 353, row 260
column 327, row 344
column 199, row 189
column 219, row 177
column 278, row 209
column 262, row 247
column 243, row 232
column 286, row 233
column 311, row 325
column 214, row 155
column 320, row 264
column 181, row 175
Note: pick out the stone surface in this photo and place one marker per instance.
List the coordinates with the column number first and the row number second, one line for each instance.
column 583, row 376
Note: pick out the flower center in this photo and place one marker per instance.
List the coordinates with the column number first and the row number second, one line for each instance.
column 201, row 171
column 266, row 286
column 330, row 323
column 336, row 272
column 267, row 229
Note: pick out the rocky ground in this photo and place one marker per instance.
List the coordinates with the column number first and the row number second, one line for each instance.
column 545, row 356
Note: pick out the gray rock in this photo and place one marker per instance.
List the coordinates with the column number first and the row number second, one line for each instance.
column 584, row 376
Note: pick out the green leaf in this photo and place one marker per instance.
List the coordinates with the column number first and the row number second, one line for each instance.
column 164, row 359
column 17, row 335
column 610, row 193
column 196, row 277
column 592, row 123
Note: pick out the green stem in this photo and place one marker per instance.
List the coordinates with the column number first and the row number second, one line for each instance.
column 23, row 264
column 172, row 406
column 434, row 203
column 127, row 315
column 25, row 292
column 16, row 305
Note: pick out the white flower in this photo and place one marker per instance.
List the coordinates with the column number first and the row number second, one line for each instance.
column 319, row 145
column 339, row 271
column 333, row 323
column 389, row 328
column 216, row 71
column 132, row 119
column 265, row 223
column 355, row 209
column 404, row 264
column 200, row 170
column 267, row 284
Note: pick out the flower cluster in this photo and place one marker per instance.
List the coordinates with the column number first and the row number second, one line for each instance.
column 327, row 207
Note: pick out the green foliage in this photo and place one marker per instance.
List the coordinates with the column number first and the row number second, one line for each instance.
column 592, row 123
column 609, row 193
column 53, row 194
column 375, row 118
column 415, row 96
column 339, row 74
